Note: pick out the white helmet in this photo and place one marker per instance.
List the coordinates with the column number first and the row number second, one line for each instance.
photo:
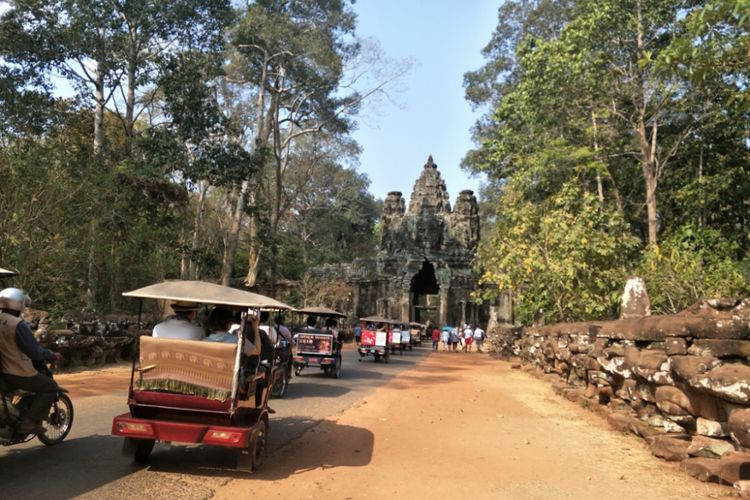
column 14, row 299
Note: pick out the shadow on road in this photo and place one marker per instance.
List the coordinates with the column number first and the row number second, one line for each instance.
column 356, row 443
column 346, row 446
column 45, row 472
column 302, row 389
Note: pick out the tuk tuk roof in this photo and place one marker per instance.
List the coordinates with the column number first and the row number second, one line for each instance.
column 378, row 319
column 206, row 293
column 7, row 273
column 320, row 311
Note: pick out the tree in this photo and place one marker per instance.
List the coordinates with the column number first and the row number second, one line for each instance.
column 103, row 47
column 294, row 57
column 562, row 253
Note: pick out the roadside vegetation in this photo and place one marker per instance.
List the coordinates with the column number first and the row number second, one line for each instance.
column 615, row 140
column 185, row 139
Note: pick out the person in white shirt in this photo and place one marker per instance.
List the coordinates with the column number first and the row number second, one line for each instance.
column 219, row 324
column 180, row 326
column 468, row 338
column 273, row 334
column 283, row 330
column 479, row 337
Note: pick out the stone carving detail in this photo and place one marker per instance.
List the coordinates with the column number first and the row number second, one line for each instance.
column 635, row 302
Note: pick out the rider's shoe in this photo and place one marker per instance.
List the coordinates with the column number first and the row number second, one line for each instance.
column 270, row 410
column 29, row 426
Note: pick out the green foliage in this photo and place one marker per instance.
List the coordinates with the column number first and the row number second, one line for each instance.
column 621, row 99
column 692, row 264
column 564, row 254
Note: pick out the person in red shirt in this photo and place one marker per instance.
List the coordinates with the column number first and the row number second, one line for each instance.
column 435, row 338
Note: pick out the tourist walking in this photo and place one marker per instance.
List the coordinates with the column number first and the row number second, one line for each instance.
column 468, row 337
column 435, row 338
column 479, row 338
column 454, row 339
column 446, row 337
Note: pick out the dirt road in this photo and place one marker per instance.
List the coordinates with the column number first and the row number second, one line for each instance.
column 466, row 426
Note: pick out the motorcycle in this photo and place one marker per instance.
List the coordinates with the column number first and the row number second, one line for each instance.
column 14, row 403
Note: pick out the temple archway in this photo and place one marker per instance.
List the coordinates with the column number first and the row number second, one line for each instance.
column 424, row 294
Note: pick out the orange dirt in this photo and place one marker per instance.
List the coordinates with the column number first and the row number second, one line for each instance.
column 97, row 382
column 465, row 426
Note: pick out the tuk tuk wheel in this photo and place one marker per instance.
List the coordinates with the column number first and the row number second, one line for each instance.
column 337, row 370
column 259, row 445
column 280, row 384
column 143, row 449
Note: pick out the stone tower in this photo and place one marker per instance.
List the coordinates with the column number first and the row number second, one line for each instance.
column 423, row 271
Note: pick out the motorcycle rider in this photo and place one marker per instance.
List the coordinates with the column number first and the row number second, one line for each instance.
column 18, row 348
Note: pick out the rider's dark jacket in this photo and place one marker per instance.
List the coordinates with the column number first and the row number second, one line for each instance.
column 18, row 347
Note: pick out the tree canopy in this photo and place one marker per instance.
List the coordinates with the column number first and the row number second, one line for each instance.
column 636, row 109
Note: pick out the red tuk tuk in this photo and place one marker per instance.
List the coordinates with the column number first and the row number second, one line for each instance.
column 188, row 391
column 378, row 338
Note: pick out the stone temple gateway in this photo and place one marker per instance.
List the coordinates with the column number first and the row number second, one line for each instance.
column 423, row 270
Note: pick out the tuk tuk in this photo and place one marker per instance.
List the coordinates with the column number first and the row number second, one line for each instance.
column 190, row 391
column 316, row 346
column 401, row 338
column 377, row 338
column 417, row 330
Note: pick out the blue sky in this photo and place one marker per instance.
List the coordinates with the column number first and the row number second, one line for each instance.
column 445, row 38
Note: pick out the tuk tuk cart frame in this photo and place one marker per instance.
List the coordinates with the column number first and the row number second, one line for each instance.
column 230, row 411
column 317, row 346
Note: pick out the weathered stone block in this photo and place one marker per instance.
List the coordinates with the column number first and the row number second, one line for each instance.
column 742, row 488
column 675, row 346
column 653, row 366
column 720, row 348
column 730, row 382
column 706, row 447
column 674, row 400
column 739, row 427
column 615, row 365
column 623, row 329
column 711, row 428
column 669, row 448
column 735, row 466
column 688, row 367
column 702, row 469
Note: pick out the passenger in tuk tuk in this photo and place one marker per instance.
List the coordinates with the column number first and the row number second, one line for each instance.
column 270, row 330
column 284, row 331
column 331, row 326
column 219, row 324
column 180, row 325
column 261, row 362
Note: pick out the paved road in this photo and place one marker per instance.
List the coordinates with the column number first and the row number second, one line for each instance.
column 89, row 465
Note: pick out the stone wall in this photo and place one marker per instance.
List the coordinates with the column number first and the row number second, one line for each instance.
column 86, row 341
column 682, row 382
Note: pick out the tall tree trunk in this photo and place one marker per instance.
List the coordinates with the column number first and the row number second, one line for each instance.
column 198, row 224
column 599, row 186
column 242, row 200
column 130, row 93
column 647, row 146
column 99, row 113
column 234, row 234
column 91, row 267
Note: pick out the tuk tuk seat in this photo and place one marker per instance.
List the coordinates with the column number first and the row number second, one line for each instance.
column 187, row 367
column 182, row 401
